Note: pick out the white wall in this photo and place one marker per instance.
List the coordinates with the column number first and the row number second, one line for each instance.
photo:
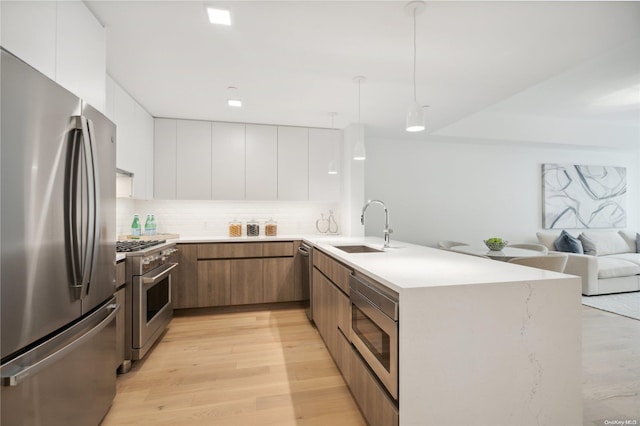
column 470, row 191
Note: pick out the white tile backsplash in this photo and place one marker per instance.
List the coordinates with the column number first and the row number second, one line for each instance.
column 211, row 218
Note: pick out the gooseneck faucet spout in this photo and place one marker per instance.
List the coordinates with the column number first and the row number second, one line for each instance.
column 387, row 226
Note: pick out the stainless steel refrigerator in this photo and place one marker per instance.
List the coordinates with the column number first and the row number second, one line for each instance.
column 58, row 253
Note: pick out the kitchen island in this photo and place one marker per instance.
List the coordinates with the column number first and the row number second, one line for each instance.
column 480, row 341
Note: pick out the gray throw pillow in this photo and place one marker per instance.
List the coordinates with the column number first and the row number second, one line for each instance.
column 588, row 245
column 568, row 243
column 637, row 243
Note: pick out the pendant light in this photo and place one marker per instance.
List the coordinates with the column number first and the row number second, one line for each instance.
column 415, row 115
column 359, row 152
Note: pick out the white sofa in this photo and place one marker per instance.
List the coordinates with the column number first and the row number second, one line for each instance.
column 613, row 265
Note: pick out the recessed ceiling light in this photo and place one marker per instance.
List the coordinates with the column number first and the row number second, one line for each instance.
column 219, row 16
column 234, row 102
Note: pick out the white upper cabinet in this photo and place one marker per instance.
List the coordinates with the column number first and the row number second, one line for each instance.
column 261, row 162
column 81, row 61
column 227, row 161
column 324, row 147
column 293, row 163
column 134, row 131
column 124, row 108
column 63, row 40
column 144, row 132
column 202, row 160
column 29, row 32
column 164, row 159
column 194, row 160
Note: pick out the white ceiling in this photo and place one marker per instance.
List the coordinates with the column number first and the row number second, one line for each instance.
column 479, row 64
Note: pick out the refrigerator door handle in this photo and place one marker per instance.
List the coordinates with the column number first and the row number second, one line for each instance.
column 71, row 212
column 93, row 208
column 30, row 370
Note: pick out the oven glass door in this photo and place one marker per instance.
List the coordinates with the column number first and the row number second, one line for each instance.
column 158, row 296
column 152, row 308
column 375, row 338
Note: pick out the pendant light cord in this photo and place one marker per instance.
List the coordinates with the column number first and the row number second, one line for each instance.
column 415, row 97
column 359, row 81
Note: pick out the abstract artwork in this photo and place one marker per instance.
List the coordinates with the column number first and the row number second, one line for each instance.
column 577, row 196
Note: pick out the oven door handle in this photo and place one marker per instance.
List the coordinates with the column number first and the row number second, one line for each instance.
column 166, row 269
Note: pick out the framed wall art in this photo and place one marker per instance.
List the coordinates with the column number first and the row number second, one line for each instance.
column 578, row 196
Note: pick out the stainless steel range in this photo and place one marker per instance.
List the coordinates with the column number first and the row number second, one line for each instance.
column 148, row 294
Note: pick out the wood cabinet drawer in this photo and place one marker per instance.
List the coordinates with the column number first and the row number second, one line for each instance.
column 335, row 271
column 377, row 407
column 237, row 250
column 278, row 249
column 229, row 250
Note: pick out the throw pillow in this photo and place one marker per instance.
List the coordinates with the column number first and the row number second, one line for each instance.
column 568, row 243
column 609, row 242
column 637, row 243
column 588, row 245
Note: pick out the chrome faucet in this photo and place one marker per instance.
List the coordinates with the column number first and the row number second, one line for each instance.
column 387, row 225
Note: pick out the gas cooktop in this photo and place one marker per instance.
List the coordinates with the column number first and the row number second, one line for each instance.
column 132, row 246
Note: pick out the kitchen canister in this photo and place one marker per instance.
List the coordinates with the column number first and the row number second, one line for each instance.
column 271, row 228
column 253, row 228
column 235, row 228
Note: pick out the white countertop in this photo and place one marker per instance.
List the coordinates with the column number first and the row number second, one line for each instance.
column 406, row 266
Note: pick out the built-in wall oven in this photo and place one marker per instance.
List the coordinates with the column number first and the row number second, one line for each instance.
column 374, row 329
column 148, row 296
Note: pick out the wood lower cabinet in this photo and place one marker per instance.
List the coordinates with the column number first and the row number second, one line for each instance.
column 120, row 327
column 184, row 284
column 247, row 281
column 376, row 406
column 223, row 274
column 278, row 274
column 213, row 283
column 332, row 315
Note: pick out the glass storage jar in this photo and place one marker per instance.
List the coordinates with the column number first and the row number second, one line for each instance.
column 271, row 228
column 235, row 228
column 253, row 228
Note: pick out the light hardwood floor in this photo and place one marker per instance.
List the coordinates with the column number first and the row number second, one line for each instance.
column 270, row 367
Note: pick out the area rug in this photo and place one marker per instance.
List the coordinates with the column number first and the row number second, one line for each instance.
column 626, row 304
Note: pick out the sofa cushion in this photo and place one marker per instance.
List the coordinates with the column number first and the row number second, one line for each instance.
column 630, row 238
column 611, row 267
column 629, row 257
column 609, row 242
column 547, row 238
column 568, row 243
column 588, row 245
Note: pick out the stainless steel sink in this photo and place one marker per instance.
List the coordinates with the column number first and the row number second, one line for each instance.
column 358, row 249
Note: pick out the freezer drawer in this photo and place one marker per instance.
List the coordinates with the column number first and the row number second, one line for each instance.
column 68, row 380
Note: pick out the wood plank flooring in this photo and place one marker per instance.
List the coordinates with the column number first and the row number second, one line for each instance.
column 267, row 367
column 270, row 367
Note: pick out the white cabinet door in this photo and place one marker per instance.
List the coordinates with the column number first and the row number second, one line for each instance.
column 227, row 161
column 194, row 160
column 81, row 60
column 261, row 162
column 164, row 159
column 124, row 109
column 324, row 147
column 293, row 163
column 29, row 31
column 143, row 180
